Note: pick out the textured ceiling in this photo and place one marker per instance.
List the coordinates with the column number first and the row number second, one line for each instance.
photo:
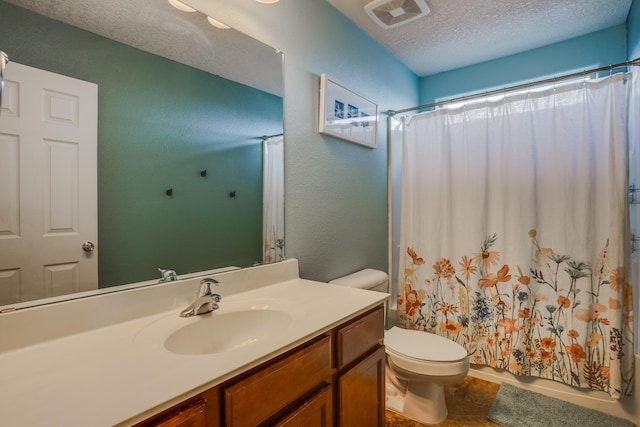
column 156, row 27
column 458, row 33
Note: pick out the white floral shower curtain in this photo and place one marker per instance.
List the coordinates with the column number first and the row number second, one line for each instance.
column 514, row 229
column 273, row 200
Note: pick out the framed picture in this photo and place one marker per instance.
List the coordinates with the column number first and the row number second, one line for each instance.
column 346, row 115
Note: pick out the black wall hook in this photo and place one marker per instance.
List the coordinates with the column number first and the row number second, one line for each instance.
column 232, row 194
column 169, row 192
column 203, row 173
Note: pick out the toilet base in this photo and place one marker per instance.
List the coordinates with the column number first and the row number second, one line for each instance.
column 424, row 402
column 393, row 399
column 420, row 401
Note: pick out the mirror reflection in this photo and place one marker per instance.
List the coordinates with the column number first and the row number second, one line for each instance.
column 182, row 175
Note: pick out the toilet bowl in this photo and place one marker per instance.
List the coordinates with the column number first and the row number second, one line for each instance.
column 418, row 364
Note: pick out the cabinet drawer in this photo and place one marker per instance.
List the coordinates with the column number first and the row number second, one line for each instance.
column 360, row 336
column 260, row 396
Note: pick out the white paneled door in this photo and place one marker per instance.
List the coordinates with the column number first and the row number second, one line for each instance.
column 48, row 185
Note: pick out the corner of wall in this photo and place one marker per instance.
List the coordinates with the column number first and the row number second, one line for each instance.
column 633, row 31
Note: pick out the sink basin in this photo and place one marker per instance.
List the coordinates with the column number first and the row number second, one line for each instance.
column 226, row 331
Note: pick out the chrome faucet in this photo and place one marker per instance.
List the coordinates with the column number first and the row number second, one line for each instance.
column 167, row 275
column 206, row 301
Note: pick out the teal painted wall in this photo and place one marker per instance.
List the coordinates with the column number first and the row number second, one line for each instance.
column 633, row 31
column 582, row 53
column 336, row 218
column 160, row 124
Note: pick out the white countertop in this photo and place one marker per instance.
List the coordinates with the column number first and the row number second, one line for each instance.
column 120, row 374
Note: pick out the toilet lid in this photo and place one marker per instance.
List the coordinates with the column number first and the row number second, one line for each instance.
column 423, row 345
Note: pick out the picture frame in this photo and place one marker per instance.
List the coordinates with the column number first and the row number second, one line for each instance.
column 346, row 115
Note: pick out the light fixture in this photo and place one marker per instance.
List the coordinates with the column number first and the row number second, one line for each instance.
column 268, row 1
column 181, row 6
column 217, row 23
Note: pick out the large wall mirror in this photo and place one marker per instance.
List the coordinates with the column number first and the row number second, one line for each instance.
column 186, row 114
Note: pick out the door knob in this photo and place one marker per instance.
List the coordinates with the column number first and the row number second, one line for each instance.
column 88, row 247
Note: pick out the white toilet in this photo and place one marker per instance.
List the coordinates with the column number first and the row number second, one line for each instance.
column 419, row 363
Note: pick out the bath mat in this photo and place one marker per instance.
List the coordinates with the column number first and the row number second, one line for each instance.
column 515, row 407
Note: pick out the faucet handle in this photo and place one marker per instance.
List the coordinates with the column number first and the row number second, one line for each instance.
column 205, row 286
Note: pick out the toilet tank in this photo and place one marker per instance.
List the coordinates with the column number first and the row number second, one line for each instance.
column 370, row 279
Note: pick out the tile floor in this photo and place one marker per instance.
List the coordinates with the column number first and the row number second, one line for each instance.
column 468, row 403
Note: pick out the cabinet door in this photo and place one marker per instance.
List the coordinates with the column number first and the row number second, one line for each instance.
column 193, row 415
column 361, row 399
column 199, row 411
column 315, row 412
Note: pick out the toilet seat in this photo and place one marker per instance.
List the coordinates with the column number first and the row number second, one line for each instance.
column 423, row 345
column 425, row 353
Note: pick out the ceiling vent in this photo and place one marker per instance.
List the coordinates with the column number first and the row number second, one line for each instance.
column 392, row 13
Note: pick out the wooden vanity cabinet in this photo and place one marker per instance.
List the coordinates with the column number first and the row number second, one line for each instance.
column 336, row 379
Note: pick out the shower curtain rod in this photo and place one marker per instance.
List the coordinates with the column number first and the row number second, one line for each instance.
column 265, row 137
column 521, row 86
